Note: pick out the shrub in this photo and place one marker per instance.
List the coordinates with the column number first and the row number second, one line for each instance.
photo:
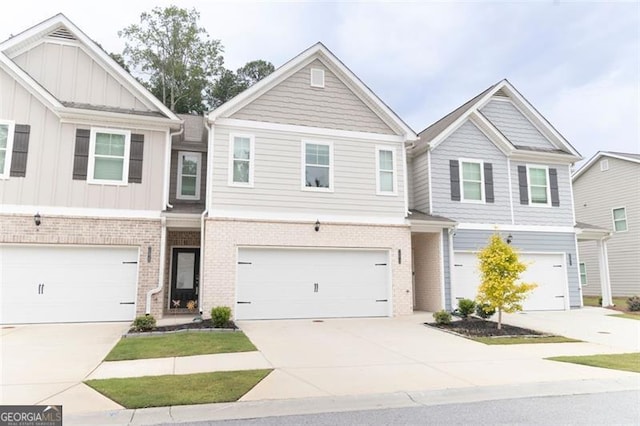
column 144, row 323
column 466, row 307
column 484, row 310
column 634, row 303
column 220, row 316
column 599, row 301
column 442, row 317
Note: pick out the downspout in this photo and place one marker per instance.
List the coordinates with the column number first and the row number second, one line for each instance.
column 163, row 243
column 210, row 134
column 167, row 166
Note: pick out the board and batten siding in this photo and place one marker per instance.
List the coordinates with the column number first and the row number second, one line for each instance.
column 535, row 242
column 278, row 178
column 48, row 180
column 596, row 194
column 515, row 126
column 294, row 101
column 419, row 174
column 71, row 75
column 525, row 214
column 470, row 143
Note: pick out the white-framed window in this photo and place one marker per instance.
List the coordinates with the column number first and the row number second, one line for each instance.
column 471, row 180
column 539, row 188
column 241, row 155
column 189, row 175
column 619, row 219
column 109, row 156
column 317, row 77
column 317, row 166
column 7, row 131
column 386, row 176
column 604, row 165
column 583, row 274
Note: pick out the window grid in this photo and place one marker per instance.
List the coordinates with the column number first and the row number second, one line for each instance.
column 619, row 219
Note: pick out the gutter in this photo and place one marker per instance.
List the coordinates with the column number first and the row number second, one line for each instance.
column 205, row 213
column 163, row 243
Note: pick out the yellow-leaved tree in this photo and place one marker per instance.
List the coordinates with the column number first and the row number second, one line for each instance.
column 500, row 270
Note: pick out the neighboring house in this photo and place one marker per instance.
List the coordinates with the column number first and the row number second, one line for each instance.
column 83, row 181
column 494, row 165
column 305, row 196
column 607, row 194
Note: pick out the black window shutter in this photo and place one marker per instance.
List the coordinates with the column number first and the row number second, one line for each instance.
column 454, row 175
column 81, row 154
column 522, row 183
column 136, row 151
column 20, row 150
column 488, row 183
column 553, row 183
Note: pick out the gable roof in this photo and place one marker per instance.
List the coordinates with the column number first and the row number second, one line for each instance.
column 634, row 158
column 317, row 51
column 61, row 27
column 438, row 131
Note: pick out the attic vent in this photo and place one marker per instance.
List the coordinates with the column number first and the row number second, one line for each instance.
column 604, row 165
column 317, row 77
column 63, row 34
column 501, row 93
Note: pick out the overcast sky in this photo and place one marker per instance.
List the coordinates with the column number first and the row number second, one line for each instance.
column 577, row 63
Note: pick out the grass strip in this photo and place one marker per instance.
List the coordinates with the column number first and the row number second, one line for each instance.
column 522, row 340
column 624, row 362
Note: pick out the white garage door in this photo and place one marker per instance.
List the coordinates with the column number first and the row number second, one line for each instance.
column 301, row 283
column 43, row 284
column 546, row 270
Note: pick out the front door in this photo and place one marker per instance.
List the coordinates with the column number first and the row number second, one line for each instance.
column 185, row 269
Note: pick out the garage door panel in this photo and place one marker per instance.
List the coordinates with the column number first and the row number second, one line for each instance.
column 547, row 270
column 67, row 284
column 308, row 283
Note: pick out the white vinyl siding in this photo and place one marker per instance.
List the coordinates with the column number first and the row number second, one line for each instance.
column 471, row 181
column 619, row 219
column 538, row 184
column 386, row 171
column 109, row 156
column 241, row 160
column 189, row 166
column 317, row 159
column 7, row 129
column 583, row 274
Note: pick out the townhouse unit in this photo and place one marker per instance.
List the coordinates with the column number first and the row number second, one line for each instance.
column 607, row 195
column 305, row 196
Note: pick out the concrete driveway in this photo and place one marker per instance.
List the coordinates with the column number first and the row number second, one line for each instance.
column 368, row 356
column 45, row 364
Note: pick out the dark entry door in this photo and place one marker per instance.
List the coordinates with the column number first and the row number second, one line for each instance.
column 185, row 269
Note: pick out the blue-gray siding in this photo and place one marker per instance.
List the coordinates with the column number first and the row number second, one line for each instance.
column 539, row 242
column 510, row 121
column 420, row 185
column 447, row 269
column 470, row 143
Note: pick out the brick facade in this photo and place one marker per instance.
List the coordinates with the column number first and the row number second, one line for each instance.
column 224, row 236
column 66, row 230
column 427, row 267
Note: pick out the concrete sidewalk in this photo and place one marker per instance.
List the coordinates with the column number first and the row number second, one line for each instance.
column 181, row 365
column 253, row 409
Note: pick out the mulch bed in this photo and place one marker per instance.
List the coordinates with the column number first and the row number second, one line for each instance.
column 203, row 325
column 476, row 327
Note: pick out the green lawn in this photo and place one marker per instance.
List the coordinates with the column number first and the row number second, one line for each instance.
column 163, row 391
column 179, row 344
column 625, row 362
column 635, row 316
column 594, row 301
column 522, row 340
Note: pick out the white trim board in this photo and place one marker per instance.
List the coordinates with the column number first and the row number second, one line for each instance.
column 78, row 212
column 217, row 213
column 510, row 227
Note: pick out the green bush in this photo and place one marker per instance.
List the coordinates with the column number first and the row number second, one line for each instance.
column 144, row 323
column 484, row 310
column 220, row 316
column 634, row 303
column 466, row 307
column 599, row 301
column 442, row 317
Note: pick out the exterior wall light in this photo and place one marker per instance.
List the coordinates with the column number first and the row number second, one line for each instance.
column 317, row 226
column 509, row 238
column 37, row 219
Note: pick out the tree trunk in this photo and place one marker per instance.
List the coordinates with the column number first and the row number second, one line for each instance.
column 499, row 319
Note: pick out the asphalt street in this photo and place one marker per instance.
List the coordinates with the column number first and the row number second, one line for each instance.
column 613, row 408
